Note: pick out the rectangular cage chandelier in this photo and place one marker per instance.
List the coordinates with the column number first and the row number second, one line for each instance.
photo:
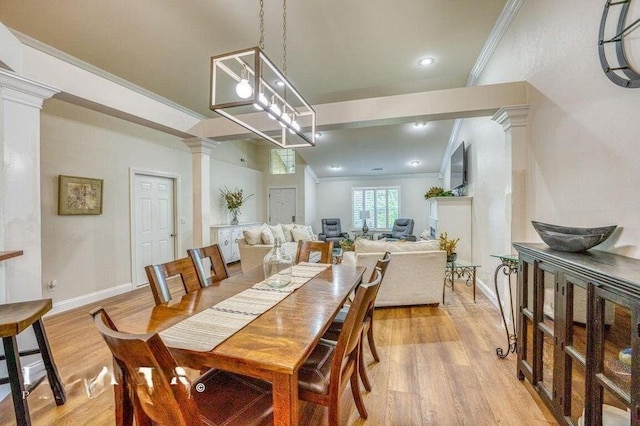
column 248, row 89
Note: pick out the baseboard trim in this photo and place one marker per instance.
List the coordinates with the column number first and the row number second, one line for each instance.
column 85, row 299
column 491, row 295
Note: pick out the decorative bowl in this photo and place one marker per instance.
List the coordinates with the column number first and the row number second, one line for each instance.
column 564, row 238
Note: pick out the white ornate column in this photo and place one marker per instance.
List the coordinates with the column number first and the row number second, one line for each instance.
column 201, row 149
column 20, row 219
column 514, row 122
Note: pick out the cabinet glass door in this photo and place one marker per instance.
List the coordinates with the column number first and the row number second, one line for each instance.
column 546, row 370
column 616, row 343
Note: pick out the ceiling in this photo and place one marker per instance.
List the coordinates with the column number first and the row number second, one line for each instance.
column 336, row 50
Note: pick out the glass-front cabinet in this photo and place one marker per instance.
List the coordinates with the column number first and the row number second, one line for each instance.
column 578, row 333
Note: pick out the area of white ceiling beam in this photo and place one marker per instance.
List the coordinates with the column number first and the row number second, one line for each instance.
column 434, row 105
column 10, row 50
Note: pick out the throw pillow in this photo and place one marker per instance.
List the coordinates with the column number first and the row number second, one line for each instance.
column 426, row 235
column 267, row 236
column 286, row 230
column 277, row 233
column 300, row 234
column 253, row 235
column 309, row 230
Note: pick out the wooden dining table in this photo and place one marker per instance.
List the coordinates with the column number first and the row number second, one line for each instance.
column 272, row 347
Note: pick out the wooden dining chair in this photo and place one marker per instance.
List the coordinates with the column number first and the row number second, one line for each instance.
column 330, row 366
column 336, row 326
column 160, row 392
column 160, row 275
column 305, row 248
column 218, row 270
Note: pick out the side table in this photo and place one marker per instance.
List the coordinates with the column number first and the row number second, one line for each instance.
column 508, row 266
column 460, row 270
column 357, row 235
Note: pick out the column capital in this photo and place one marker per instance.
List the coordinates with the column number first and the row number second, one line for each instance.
column 512, row 116
column 22, row 90
column 200, row 145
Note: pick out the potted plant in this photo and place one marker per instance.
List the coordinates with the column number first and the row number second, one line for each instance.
column 448, row 245
column 436, row 191
column 234, row 200
column 347, row 244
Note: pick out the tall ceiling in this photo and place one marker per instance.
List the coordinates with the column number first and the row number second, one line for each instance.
column 336, row 50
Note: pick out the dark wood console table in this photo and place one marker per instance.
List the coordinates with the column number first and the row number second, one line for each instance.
column 579, row 314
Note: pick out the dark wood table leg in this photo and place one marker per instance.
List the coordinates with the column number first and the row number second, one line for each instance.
column 18, row 391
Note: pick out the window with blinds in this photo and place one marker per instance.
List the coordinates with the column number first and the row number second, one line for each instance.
column 381, row 203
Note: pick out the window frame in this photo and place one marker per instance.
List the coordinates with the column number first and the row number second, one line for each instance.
column 372, row 222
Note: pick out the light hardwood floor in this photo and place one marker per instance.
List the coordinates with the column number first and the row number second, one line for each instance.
column 438, row 367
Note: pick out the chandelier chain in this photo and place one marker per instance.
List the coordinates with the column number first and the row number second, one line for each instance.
column 261, row 41
column 284, row 37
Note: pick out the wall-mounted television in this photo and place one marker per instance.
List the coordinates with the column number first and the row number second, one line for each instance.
column 458, row 168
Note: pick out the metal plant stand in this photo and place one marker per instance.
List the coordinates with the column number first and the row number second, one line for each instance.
column 509, row 267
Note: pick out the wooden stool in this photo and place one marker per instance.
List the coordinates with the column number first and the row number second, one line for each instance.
column 15, row 318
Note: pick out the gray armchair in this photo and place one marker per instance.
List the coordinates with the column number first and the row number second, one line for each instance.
column 402, row 230
column 332, row 231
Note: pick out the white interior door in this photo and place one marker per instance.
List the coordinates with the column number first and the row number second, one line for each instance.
column 282, row 205
column 154, row 223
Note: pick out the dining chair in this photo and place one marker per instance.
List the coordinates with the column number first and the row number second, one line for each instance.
column 214, row 256
column 336, row 326
column 305, row 248
column 160, row 391
column 160, row 275
column 325, row 374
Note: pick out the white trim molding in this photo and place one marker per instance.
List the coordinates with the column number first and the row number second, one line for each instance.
column 85, row 299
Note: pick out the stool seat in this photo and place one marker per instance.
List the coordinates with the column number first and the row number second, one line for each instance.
column 17, row 317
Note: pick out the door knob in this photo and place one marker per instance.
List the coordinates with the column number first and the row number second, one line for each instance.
column 173, row 235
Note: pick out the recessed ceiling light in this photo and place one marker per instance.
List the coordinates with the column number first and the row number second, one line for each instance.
column 420, row 124
column 414, row 163
column 426, row 61
column 335, row 167
column 280, row 83
column 318, row 134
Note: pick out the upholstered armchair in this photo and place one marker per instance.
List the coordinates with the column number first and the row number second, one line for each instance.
column 332, row 231
column 402, row 230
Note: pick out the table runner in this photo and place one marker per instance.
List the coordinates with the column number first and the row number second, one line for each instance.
column 207, row 329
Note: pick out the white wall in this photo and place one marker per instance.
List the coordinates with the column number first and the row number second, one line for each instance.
column 235, row 165
column 88, row 254
column 583, row 128
column 334, row 198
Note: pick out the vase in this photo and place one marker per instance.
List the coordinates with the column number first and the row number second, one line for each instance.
column 277, row 266
column 234, row 217
column 452, row 257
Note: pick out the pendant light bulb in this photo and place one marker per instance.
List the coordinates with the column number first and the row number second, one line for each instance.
column 274, row 108
column 243, row 88
column 295, row 127
column 262, row 102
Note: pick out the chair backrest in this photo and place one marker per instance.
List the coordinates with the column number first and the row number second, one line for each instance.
column 305, row 248
column 159, row 276
column 149, row 368
column 213, row 255
column 331, row 227
column 346, row 346
column 382, row 265
column 402, row 227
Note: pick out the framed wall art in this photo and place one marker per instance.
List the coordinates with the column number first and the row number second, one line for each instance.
column 79, row 195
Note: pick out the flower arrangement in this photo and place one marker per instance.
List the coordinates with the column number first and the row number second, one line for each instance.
column 436, row 191
column 234, row 200
column 448, row 245
column 347, row 244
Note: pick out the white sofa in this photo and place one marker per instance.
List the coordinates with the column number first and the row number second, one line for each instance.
column 254, row 247
column 415, row 275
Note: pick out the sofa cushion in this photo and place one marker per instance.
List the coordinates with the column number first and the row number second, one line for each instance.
column 364, row 245
column 286, row 230
column 300, row 234
column 278, row 233
column 267, row 236
column 253, row 235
